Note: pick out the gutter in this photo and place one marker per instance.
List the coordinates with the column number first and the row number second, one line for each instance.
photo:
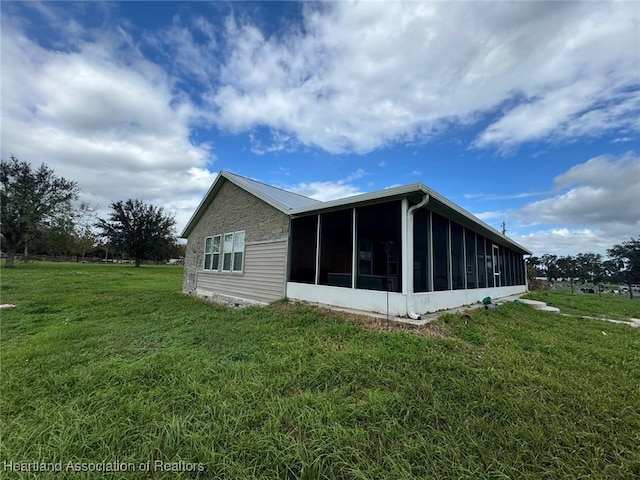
column 410, row 312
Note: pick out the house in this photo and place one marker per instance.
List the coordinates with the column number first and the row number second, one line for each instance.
column 406, row 249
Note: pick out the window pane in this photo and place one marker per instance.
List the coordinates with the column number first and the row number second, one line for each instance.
column 457, row 256
column 470, row 244
column 379, row 246
column 238, row 242
column 440, row 233
column 228, row 242
column 216, row 244
column 227, row 249
column 303, row 249
column 207, row 253
column 421, row 279
column 336, row 250
column 482, row 268
column 215, row 261
column 237, row 261
column 226, row 261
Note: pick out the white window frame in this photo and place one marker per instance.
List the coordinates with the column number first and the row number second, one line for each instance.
column 238, row 249
column 211, row 252
column 230, row 248
column 208, row 244
column 215, row 255
column 227, row 251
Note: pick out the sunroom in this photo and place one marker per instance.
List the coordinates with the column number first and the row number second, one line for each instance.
column 405, row 250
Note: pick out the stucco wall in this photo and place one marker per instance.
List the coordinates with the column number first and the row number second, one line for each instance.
column 233, row 209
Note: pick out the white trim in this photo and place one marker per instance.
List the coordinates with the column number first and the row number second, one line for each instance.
column 316, row 280
column 405, row 254
column 224, row 252
column 354, row 249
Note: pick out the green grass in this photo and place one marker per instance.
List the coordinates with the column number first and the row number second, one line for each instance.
column 104, row 363
column 617, row 307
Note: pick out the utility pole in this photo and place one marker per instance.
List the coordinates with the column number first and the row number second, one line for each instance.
column 504, row 228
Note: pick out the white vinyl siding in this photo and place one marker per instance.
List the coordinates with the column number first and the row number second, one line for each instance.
column 263, row 276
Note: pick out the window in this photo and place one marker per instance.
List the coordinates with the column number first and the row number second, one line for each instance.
column 208, row 248
column 470, row 246
column 215, row 255
column 440, row 239
column 457, row 256
column 232, row 249
column 238, row 251
column 336, row 248
column 421, row 242
column 488, row 256
column 227, row 249
column 303, row 249
column 379, row 238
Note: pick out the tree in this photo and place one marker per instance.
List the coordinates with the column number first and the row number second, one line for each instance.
column 568, row 267
column 550, row 265
column 84, row 235
column 29, row 201
column 141, row 230
column 589, row 267
column 627, row 257
column 533, row 268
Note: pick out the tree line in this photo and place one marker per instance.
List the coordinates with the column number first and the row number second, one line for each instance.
column 40, row 213
column 622, row 266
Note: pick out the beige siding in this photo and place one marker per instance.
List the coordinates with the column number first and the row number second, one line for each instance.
column 263, row 278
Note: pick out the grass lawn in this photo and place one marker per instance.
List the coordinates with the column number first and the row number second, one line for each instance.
column 110, row 367
column 617, row 307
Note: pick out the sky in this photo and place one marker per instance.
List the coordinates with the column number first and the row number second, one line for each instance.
column 526, row 113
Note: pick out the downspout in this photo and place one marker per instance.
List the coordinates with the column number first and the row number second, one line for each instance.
column 410, row 312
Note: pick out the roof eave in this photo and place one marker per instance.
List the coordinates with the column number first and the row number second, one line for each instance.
column 386, row 194
column 213, row 190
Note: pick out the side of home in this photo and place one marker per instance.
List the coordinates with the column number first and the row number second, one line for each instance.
column 237, row 248
column 406, row 250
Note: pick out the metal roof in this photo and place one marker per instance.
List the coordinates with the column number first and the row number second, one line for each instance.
column 298, row 205
column 281, row 199
column 276, row 197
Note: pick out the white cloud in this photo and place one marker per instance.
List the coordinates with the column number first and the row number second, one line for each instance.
column 596, row 205
column 361, row 75
column 101, row 115
column 603, row 191
column 564, row 241
column 493, row 196
column 491, row 215
column 325, row 191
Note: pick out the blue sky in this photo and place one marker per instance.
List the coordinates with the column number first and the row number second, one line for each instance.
column 524, row 113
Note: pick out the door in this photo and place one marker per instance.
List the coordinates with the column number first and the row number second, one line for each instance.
column 496, row 266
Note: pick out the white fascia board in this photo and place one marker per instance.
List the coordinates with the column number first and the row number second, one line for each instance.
column 363, row 198
column 204, row 203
